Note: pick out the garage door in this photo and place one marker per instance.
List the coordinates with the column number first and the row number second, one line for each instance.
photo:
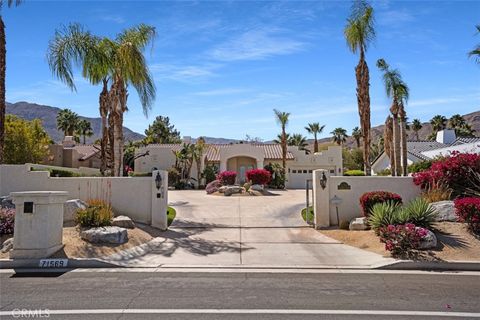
column 297, row 178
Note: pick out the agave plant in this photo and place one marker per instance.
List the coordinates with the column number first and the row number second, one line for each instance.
column 384, row 214
column 419, row 212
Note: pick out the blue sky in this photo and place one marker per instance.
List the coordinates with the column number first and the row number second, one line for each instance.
column 220, row 67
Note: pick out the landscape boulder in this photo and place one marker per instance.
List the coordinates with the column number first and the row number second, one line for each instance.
column 71, row 207
column 7, row 245
column 358, row 224
column 222, row 189
column 429, row 241
column 6, row 202
column 257, row 187
column 111, row 234
column 232, row 190
column 123, row 222
column 445, row 211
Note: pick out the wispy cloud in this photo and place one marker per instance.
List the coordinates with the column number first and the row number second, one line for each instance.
column 395, row 17
column 257, row 44
column 183, row 72
column 112, row 18
column 221, row 92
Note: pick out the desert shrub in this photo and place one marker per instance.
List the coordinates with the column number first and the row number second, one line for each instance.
column 259, row 176
column 213, row 186
column 401, row 239
column 227, row 177
column 180, row 185
column 451, row 171
column 173, row 176
column 344, row 225
column 210, row 173
column 278, row 176
column 437, row 191
column 369, row 199
column 384, row 214
column 63, row 173
column 386, row 172
column 143, row 174
column 247, row 186
column 354, row 173
column 420, row 166
column 97, row 214
column 7, row 220
column 468, row 210
column 419, row 212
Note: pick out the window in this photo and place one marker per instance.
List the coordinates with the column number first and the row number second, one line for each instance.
column 310, row 171
column 294, row 171
column 304, row 171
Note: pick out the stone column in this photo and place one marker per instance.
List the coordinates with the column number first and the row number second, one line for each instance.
column 160, row 200
column 38, row 227
column 321, row 199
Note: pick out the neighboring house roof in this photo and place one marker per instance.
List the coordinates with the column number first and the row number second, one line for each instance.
column 416, row 148
column 460, row 141
column 86, row 151
column 272, row 151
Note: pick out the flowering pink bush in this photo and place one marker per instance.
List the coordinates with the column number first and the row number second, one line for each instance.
column 369, row 199
column 227, row 177
column 468, row 210
column 259, row 176
column 213, row 186
column 401, row 239
column 7, row 220
column 450, row 171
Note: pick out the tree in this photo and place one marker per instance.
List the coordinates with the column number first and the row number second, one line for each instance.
column 398, row 91
column 161, row 131
column 198, row 157
column 315, row 129
column 476, row 51
column 25, row 141
column 67, row 121
column 357, row 135
column 388, row 143
column 339, row 136
column 359, row 32
column 282, row 120
column 3, row 68
column 461, row 127
column 416, row 127
column 84, row 128
column 438, row 123
column 299, row 141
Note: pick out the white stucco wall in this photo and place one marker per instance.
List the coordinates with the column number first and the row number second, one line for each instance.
column 325, row 213
column 131, row 196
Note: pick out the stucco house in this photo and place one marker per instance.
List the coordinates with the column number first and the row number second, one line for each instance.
column 241, row 157
column 72, row 155
column 445, row 143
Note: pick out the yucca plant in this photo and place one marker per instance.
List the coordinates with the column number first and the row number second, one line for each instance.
column 419, row 212
column 384, row 214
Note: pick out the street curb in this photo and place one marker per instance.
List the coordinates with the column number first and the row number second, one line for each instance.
column 71, row 264
column 432, row 265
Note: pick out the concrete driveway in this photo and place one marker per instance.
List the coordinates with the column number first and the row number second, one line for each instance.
column 239, row 231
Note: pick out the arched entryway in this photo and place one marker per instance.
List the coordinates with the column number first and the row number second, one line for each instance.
column 241, row 164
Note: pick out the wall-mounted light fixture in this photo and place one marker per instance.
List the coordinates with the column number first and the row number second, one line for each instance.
column 159, row 184
column 323, row 181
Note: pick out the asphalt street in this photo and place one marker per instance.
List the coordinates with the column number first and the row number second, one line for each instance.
column 239, row 295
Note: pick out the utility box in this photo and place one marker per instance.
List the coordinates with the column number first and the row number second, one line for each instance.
column 38, row 223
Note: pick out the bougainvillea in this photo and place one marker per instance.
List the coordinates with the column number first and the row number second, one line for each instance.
column 259, row 176
column 213, row 186
column 369, row 199
column 468, row 210
column 7, row 220
column 451, row 171
column 401, row 239
column 227, row 177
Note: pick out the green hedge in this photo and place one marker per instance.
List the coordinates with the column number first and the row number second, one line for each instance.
column 354, row 173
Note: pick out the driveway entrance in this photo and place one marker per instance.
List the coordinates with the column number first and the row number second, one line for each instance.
column 240, row 231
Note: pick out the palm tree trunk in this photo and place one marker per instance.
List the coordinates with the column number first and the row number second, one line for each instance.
column 315, row 144
column 84, row 139
column 3, row 66
column 118, row 94
column 110, row 144
column 396, row 145
column 416, row 135
column 363, row 100
column 103, row 106
column 403, row 133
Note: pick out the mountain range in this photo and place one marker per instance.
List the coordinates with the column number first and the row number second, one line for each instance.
column 47, row 114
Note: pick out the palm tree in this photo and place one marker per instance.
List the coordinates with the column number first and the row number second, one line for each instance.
column 359, row 32
column 388, row 143
column 299, row 141
column 476, row 51
column 67, row 121
column 339, row 136
column 456, row 122
column 84, row 128
column 199, row 150
column 416, row 126
column 3, row 68
column 357, row 135
column 398, row 91
column 278, row 140
column 315, row 129
column 282, row 120
column 438, row 123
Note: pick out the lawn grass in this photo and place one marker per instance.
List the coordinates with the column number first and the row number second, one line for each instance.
column 308, row 214
column 171, row 213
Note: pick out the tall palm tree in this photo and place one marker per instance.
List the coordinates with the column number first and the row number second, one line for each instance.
column 357, row 135
column 3, row 68
column 198, row 153
column 84, row 129
column 67, row 121
column 416, row 127
column 299, row 141
column 339, row 136
column 359, row 32
column 476, row 51
column 315, row 129
column 282, row 120
column 438, row 123
column 398, row 91
column 456, row 122
column 388, row 143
